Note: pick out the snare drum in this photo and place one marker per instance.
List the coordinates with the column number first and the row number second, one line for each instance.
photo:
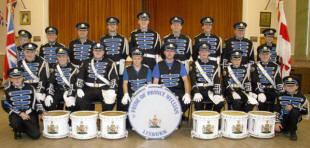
column 234, row 124
column 55, row 124
column 205, row 124
column 261, row 124
column 113, row 124
column 154, row 112
column 84, row 124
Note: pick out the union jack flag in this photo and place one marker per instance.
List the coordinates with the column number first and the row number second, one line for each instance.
column 10, row 55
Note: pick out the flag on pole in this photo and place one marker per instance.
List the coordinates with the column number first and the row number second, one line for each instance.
column 10, row 55
column 283, row 42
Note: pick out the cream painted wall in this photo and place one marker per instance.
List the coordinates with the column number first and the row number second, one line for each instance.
column 39, row 20
column 251, row 13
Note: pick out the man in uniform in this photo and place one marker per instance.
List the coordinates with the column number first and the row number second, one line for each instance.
column 205, row 77
column 24, row 36
column 80, row 49
column 48, row 50
column 266, row 79
column 236, row 84
column 21, row 105
column 290, row 107
column 183, row 42
column 269, row 37
column 61, row 83
column 97, row 81
column 116, row 47
column 36, row 70
column 147, row 40
column 239, row 42
column 213, row 40
column 173, row 75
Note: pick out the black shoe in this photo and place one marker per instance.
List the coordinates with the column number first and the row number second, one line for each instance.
column 286, row 133
column 17, row 135
column 184, row 118
column 293, row 136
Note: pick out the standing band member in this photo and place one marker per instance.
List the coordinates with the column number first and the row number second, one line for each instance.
column 97, row 81
column 269, row 37
column 21, row 105
column 205, row 77
column 24, row 36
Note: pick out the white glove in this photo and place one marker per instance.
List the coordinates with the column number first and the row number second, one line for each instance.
column 39, row 96
column 48, row 101
column 126, row 99
column 70, row 101
column 109, row 96
column 186, row 98
column 218, row 99
column 261, row 97
column 80, row 93
column 197, row 97
column 236, row 96
column 252, row 98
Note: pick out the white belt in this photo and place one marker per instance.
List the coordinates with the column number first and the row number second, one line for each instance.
column 117, row 63
column 150, row 55
column 28, row 111
column 203, row 85
column 96, row 85
column 32, row 81
column 183, row 62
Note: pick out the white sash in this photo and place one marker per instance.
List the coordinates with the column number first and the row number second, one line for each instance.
column 63, row 76
column 231, row 73
column 261, row 68
column 203, row 73
column 97, row 75
column 34, row 77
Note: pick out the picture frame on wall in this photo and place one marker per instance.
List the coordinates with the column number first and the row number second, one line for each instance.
column 265, row 19
column 25, row 17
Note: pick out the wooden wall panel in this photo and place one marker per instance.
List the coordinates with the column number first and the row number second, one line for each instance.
column 64, row 14
column 225, row 13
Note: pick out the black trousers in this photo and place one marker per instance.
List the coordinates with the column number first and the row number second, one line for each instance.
column 271, row 95
column 120, row 94
column 207, row 104
column 290, row 120
column 58, row 102
column 239, row 105
column 30, row 127
column 92, row 95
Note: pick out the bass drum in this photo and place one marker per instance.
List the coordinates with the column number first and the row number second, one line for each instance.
column 154, row 112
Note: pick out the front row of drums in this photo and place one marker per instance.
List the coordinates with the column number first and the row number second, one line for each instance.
column 155, row 113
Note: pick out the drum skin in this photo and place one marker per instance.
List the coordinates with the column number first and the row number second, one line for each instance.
column 113, row 124
column 234, row 124
column 261, row 124
column 84, row 124
column 55, row 124
column 205, row 124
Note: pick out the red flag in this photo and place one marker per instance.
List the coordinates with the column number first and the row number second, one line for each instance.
column 283, row 42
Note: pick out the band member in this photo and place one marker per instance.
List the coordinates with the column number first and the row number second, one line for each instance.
column 36, row 70
column 24, row 36
column 207, row 37
column 183, row 42
column 269, row 37
column 135, row 76
column 266, row 79
column 147, row 40
column 61, row 86
column 205, row 77
column 173, row 75
column 236, row 84
column 239, row 42
column 48, row 50
column 21, row 105
column 80, row 49
column 116, row 47
column 97, row 81
column 290, row 107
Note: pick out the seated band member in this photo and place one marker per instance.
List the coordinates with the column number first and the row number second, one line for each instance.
column 236, row 84
column 266, row 79
column 61, row 83
column 290, row 106
column 173, row 75
column 183, row 42
column 97, row 81
column 135, row 76
column 205, row 77
column 36, row 70
column 21, row 105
